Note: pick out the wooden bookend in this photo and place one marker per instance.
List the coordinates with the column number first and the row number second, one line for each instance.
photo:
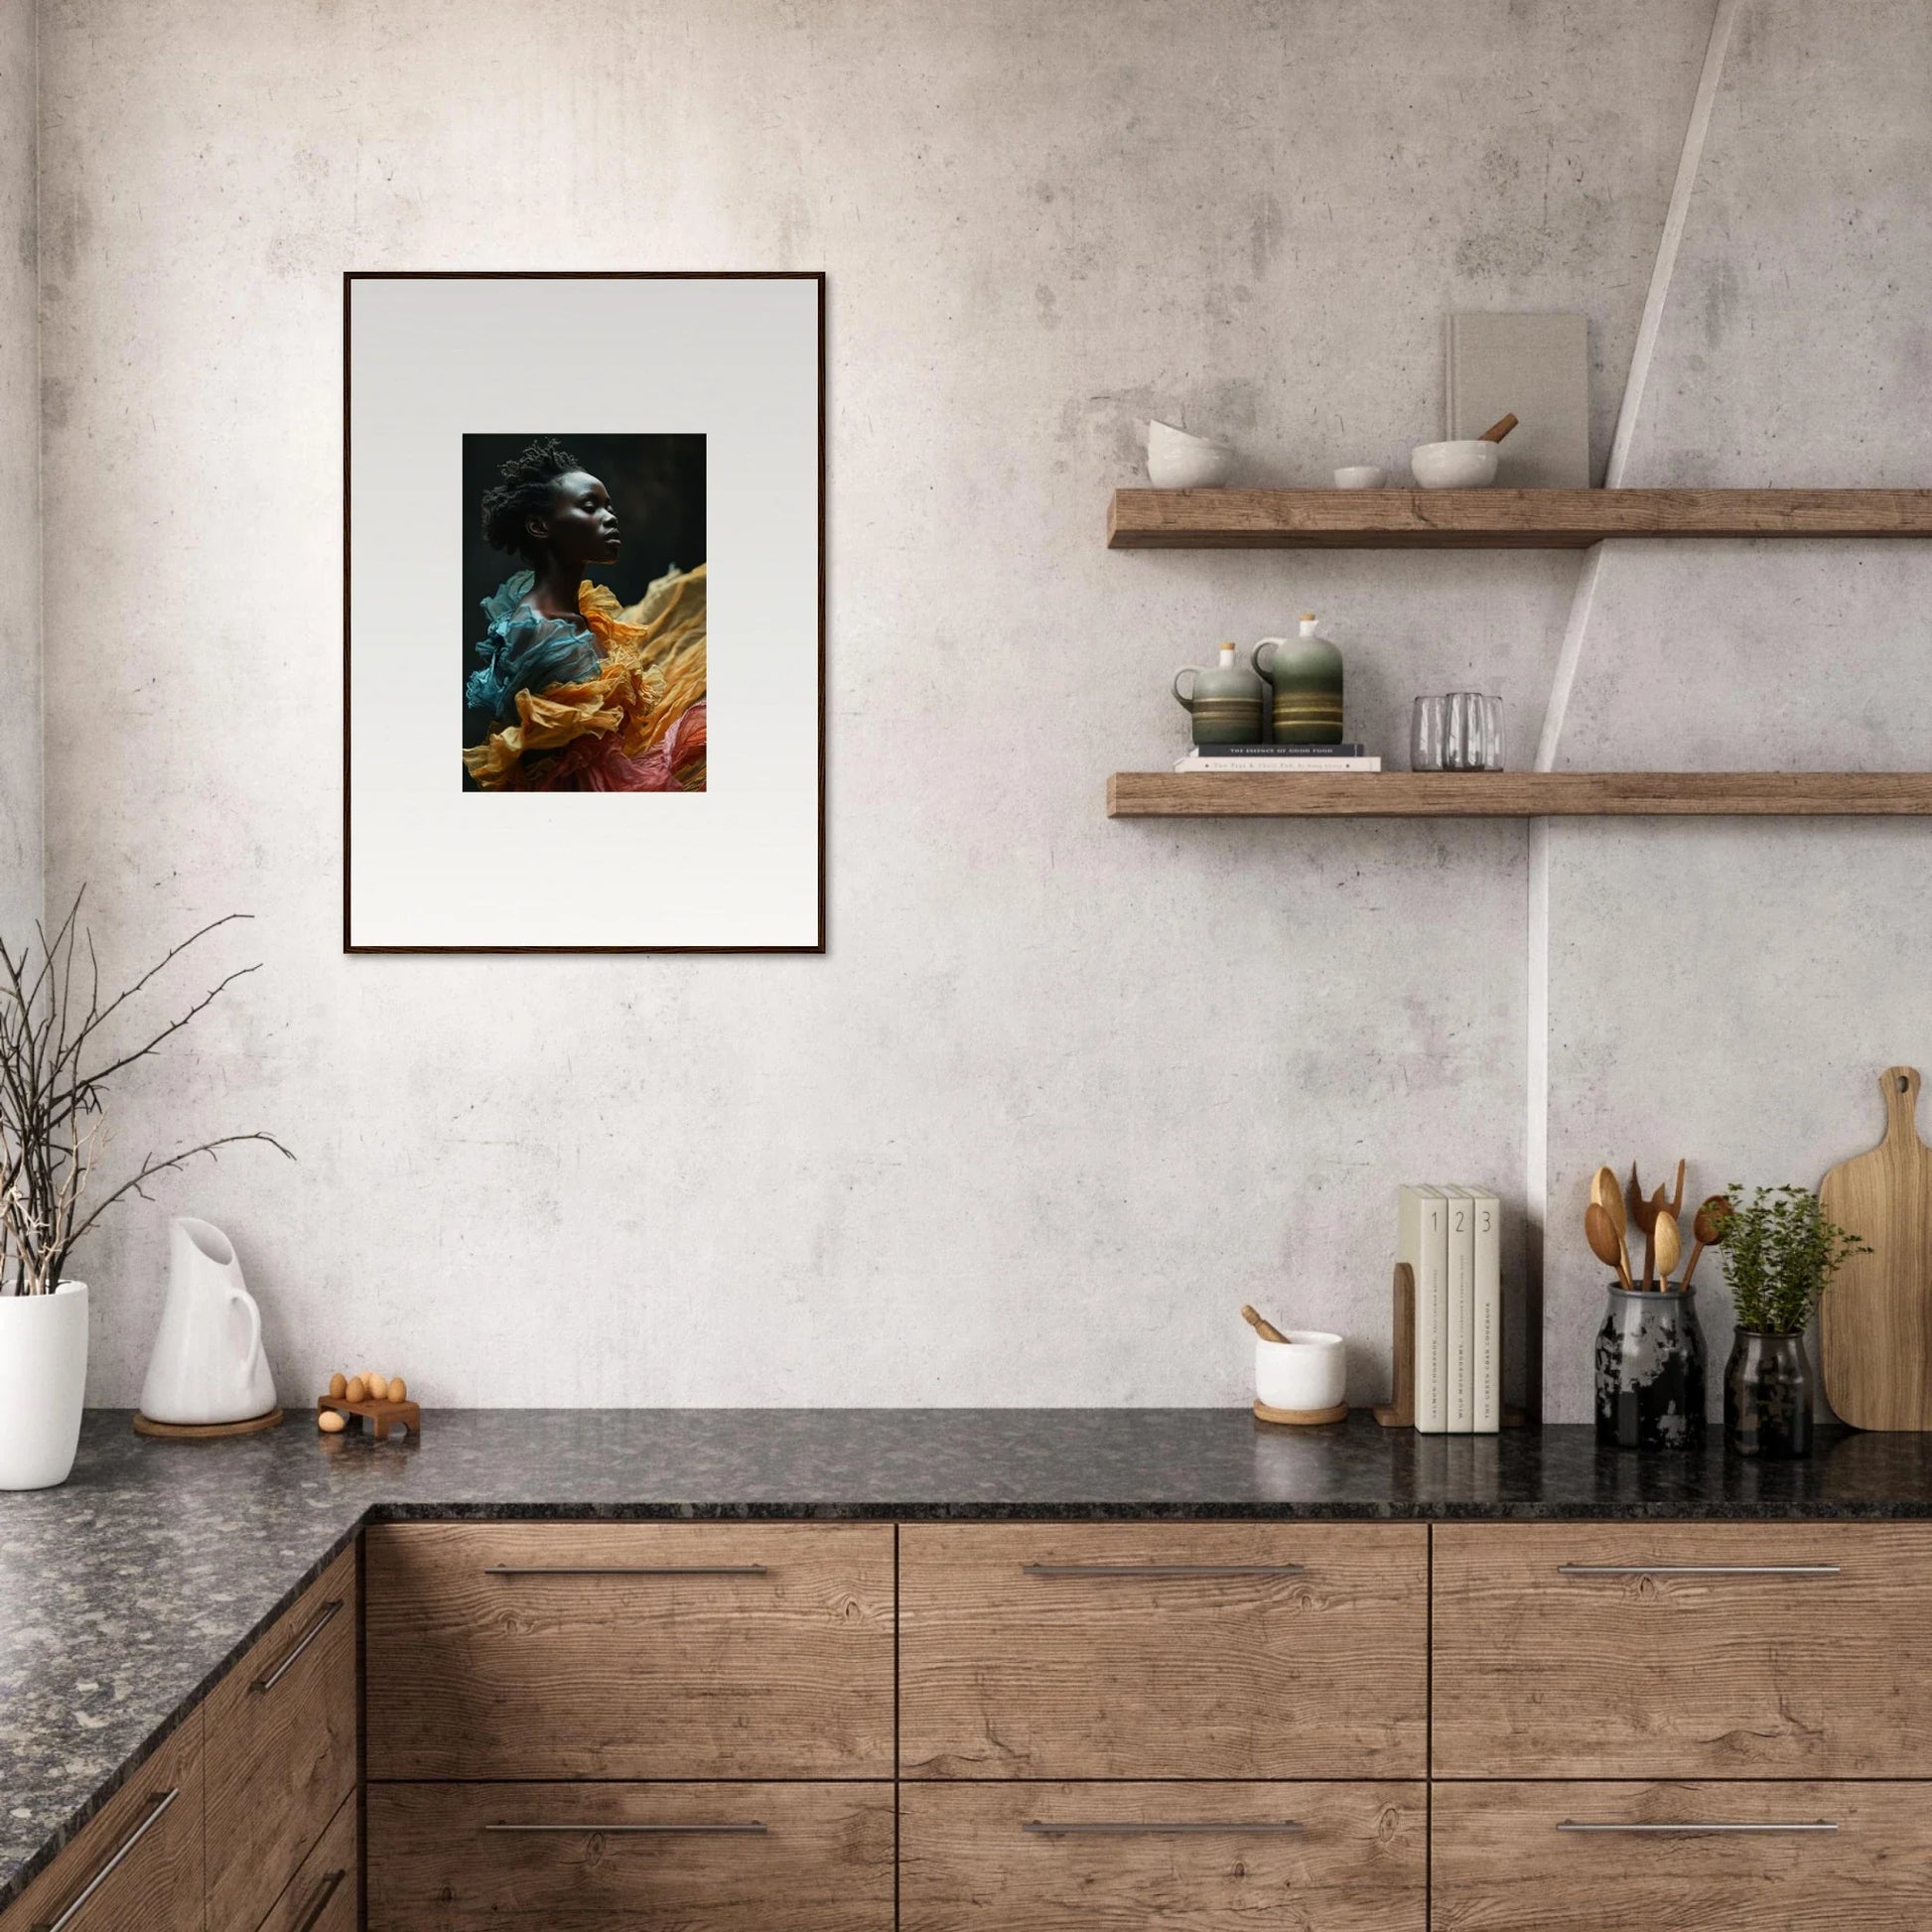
column 1399, row 1412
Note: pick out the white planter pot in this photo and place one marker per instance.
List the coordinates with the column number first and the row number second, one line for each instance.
column 42, row 1382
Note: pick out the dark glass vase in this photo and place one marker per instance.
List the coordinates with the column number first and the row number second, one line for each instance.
column 1767, row 1396
column 1650, row 1371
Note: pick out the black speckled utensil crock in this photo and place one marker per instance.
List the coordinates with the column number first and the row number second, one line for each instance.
column 1650, row 1371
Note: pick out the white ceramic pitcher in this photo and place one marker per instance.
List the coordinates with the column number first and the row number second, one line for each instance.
column 208, row 1363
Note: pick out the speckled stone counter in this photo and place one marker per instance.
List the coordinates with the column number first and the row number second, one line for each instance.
column 129, row 1591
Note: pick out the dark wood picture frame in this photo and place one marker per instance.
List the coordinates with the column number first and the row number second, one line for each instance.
column 352, row 276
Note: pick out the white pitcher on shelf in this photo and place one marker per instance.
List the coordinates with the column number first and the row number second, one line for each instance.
column 207, row 1364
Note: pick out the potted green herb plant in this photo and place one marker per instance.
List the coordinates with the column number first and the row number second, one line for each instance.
column 62, row 1042
column 1780, row 1254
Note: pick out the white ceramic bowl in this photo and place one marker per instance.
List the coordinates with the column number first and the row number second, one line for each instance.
column 1360, row 476
column 1177, row 461
column 1310, row 1370
column 1454, row 465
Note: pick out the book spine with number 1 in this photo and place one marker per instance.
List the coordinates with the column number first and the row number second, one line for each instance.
column 1423, row 1242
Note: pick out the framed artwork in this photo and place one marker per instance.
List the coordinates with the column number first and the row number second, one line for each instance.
column 556, row 490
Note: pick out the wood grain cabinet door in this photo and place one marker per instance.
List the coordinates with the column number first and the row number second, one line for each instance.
column 604, row 1858
column 1683, row 1650
column 323, row 1894
column 281, row 1750
column 136, row 1866
column 1124, row 1857
column 648, row 1650
column 1149, row 1650
column 1797, row 1857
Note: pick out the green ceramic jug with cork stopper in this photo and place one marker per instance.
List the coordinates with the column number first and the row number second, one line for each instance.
column 1305, row 673
column 1225, row 702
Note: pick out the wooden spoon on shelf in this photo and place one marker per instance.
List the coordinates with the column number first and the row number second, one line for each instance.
column 1259, row 1324
column 1605, row 1243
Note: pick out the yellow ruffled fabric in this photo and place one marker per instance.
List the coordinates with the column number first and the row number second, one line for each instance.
column 653, row 673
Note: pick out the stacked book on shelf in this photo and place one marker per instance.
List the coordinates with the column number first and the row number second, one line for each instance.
column 1279, row 757
column 1448, row 1236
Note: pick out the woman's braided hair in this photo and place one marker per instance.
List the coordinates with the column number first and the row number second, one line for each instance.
column 523, row 493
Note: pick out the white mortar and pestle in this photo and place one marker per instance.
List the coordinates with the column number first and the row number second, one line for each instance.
column 1465, row 464
column 1301, row 1374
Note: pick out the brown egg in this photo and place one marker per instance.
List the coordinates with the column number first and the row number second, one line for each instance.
column 356, row 1390
column 337, row 1383
column 332, row 1422
column 378, row 1386
column 398, row 1389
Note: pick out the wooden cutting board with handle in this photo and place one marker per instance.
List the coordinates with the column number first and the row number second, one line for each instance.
column 1875, row 1322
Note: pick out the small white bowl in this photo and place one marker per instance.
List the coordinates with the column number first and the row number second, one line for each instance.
column 1308, row 1371
column 1177, row 461
column 1454, row 465
column 1360, row 476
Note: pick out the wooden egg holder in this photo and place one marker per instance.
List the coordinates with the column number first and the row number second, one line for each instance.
column 377, row 1417
column 1399, row 1412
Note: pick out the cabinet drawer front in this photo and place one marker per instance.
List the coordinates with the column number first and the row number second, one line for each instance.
column 704, row 1858
column 1592, row 1858
column 1093, row 1857
column 1730, row 1650
column 136, row 1866
column 322, row 1896
column 1214, row 1650
column 281, row 1750
column 656, row 1650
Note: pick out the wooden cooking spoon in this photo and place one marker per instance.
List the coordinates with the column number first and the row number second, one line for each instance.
column 1637, row 1202
column 1604, row 1241
column 1677, row 1198
column 1498, row 431
column 1259, row 1324
column 1603, row 1192
column 1669, row 1238
column 1708, row 1230
column 1655, row 1211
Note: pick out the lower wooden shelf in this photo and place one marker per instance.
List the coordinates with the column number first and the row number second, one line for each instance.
column 1520, row 794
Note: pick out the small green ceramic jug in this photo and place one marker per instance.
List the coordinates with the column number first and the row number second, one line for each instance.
column 1225, row 702
column 1305, row 672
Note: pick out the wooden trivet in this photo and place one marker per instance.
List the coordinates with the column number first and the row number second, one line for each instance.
column 376, row 1418
column 1302, row 1418
column 204, row 1432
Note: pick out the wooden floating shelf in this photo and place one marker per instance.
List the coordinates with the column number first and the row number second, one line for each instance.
column 1520, row 794
column 1498, row 519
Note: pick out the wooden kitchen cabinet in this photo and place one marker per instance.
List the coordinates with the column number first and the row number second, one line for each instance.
column 325, row 1893
column 1714, row 1650
column 1591, row 1856
column 983, row 1856
column 136, row 1865
column 632, row 1651
column 600, row 1857
column 1164, row 1651
column 281, row 1750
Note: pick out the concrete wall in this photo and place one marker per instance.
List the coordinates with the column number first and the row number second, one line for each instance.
column 1064, row 1092
column 20, row 448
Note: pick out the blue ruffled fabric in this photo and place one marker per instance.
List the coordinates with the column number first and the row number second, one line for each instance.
column 522, row 651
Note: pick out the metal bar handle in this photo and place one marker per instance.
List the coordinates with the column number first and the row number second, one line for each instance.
column 751, row 1828
column 323, row 1617
column 1697, row 1569
column 1220, row 1828
column 1689, row 1827
column 627, row 1569
column 1163, row 1570
column 320, row 1902
column 155, row 1806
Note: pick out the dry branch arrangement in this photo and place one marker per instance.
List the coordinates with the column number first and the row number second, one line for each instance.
column 55, row 1061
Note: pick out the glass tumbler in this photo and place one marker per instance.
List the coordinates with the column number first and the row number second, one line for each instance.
column 1493, row 713
column 1426, row 735
column 1465, row 731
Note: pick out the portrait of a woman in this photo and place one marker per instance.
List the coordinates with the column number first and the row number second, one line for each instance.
column 567, row 689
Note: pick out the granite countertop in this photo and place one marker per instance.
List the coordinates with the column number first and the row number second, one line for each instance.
column 131, row 1589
